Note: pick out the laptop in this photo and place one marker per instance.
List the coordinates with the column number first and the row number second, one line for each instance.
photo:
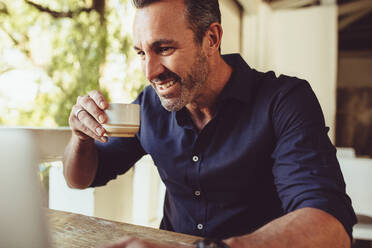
column 22, row 222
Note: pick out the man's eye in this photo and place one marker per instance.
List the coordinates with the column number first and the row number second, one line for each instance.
column 140, row 53
column 165, row 50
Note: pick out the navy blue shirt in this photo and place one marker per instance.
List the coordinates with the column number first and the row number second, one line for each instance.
column 264, row 154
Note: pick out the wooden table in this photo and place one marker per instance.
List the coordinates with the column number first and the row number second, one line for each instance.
column 69, row 230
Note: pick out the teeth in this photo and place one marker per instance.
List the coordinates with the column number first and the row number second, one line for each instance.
column 167, row 85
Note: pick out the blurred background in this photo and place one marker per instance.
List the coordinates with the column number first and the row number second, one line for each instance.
column 53, row 51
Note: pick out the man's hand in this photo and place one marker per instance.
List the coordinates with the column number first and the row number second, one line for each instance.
column 132, row 242
column 87, row 115
column 80, row 160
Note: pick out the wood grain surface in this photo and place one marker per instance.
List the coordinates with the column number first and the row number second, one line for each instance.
column 75, row 230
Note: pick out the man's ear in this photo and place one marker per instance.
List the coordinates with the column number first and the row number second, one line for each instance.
column 212, row 38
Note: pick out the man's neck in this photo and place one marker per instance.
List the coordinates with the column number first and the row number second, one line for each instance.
column 203, row 109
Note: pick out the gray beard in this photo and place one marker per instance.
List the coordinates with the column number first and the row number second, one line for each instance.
column 173, row 106
column 190, row 87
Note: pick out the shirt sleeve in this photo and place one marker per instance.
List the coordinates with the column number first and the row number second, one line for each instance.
column 116, row 157
column 306, row 170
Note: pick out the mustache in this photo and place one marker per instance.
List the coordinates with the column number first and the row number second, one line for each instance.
column 167, row 74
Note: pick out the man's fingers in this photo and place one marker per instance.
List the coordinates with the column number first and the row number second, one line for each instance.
column 89, row 122
column 85, row 124
column 92, row 108
column 87, row 115
column 82, row 130
column 99, row 99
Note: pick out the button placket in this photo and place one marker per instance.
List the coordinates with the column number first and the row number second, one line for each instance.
column 196, row 160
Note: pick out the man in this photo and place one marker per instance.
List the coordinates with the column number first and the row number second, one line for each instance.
column 244, row 155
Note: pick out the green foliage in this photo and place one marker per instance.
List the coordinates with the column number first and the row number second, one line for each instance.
column 3, row 9
column 79, row 48
column 75, row 66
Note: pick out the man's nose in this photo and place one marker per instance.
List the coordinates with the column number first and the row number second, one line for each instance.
column 153, row 68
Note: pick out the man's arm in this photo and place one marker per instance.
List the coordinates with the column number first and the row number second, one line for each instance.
column 80, row 163
column 307, row 177
column 80, row 159
column 306, row 227
column 303, row 228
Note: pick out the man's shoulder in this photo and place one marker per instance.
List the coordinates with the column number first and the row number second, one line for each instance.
column 267, row 87
column 276, row 89
column 278, row 84
column 248, row 81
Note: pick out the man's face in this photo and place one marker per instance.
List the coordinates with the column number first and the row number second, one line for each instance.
column 172, row 61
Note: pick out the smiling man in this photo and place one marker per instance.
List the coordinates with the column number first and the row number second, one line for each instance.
column 244, row 155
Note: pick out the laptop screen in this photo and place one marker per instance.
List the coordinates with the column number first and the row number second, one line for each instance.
column 21, row 217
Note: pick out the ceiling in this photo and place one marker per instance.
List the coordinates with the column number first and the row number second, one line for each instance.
column 355, row 27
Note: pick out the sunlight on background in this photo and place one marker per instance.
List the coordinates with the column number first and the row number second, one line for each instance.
column 46, row 62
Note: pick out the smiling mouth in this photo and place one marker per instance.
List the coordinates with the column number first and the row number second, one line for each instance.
column 166, row 85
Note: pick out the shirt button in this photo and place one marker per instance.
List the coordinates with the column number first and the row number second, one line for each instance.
column 199, row 226
column 197, row 193
column 195, row 158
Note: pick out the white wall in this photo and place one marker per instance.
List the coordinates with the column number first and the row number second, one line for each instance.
column 61, row 197
column 256, row 36
column 114, row 201
column 300, row 42
column 231, row 24
column 148, row 194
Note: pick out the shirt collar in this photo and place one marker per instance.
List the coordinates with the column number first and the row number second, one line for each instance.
column 183, row 118
column 241, row 82
column 238, row 87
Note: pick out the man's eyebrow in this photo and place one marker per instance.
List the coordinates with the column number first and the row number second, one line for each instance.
column 158, row 43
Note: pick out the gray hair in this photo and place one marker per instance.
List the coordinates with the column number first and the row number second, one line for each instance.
column 200, row 14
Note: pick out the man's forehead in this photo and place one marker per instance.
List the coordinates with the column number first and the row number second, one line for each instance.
column 161, row 13
column 157, row 23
